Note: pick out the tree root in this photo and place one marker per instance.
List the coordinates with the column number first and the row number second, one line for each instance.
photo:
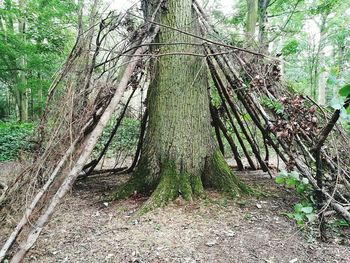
column 220, row 177
column 173, row 183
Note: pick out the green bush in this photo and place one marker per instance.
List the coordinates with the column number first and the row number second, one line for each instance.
column 125, row 139
column 13, row 138
column 304, row 210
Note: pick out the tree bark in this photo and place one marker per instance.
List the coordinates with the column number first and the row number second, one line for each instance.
column 263, row 5
column 22, row 90
column 179, row 156
column 252, row 16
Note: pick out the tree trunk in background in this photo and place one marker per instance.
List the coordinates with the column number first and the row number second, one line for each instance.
column 252, row 15
column 22, row 90
column 263, row 5
column 322, row 82
column 179, row 155
column 340, row 61
column 18, row 87
column 315, row 78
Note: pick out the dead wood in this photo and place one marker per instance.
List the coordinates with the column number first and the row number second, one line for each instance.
column 87, row 149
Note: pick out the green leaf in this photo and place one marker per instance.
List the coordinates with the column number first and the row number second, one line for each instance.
column 305, row 181
column 280, row 179
column 290, row 48
column 299, row 217
column 311, row 217
column 291, row 181
column 337, row 103
column 307, row 209
column 344, row 114
column 345, row 91
column 301, row 188
column 298, row 207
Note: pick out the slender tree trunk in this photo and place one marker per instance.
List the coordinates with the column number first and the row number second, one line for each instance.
column 322, row 82
column 23, row 98
column 263, row 5
column 19, row 86
column 340, row 61
column 252, row 16
column 179, row 156
column 316, row 66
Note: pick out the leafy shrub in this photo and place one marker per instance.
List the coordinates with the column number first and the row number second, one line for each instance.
column 125, row 139
column 274, row 105
column 304, row 210
column 291, row 47
column 13, row 138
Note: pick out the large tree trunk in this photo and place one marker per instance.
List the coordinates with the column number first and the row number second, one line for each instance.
column 179, row 155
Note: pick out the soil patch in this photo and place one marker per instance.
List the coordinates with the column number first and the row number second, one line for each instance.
column 249, row 229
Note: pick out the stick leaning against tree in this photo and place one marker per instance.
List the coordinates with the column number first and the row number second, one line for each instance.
column 86, row 152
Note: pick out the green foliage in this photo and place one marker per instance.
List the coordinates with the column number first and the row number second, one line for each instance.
column 125, row 139
column 345, row 91
column 248, row 216
column 29, row 58
column 273, row 105
column 332, row 79
column 290, row 47
column 304, row 210
column 337, row 103
column 339, row 223
column 14, row 138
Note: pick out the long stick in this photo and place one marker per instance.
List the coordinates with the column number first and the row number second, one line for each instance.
column 95, row 162
column 86, row 152
column 39, row 195
column 219, row 86
column 218, row 138
column 229, row 139
column 140, row 142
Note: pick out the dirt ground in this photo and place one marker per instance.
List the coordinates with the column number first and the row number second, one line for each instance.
column 249, row 229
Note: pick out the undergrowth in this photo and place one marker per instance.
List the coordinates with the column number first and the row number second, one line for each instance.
column 304, row 210
column 13, row 139
column 125, row 139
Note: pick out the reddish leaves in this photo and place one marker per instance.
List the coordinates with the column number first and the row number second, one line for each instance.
column 297, row 119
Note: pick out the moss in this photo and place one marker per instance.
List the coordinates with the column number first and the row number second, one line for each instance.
column 173, row 184
column 184, row 185
column 221, row 177
column 196, row 185
column 136, row 183
column 127, row 189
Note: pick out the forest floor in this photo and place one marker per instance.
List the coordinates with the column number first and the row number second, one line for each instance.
column 249, row 229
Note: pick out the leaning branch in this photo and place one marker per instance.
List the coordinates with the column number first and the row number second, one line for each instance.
column 86, row 152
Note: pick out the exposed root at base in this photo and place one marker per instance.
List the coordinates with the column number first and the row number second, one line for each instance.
column 173, row 183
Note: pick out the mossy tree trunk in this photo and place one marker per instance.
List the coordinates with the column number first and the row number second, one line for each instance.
column 179, row 156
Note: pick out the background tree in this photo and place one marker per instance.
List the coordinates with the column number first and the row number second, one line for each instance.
column 35, row 37
column 310, row 35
